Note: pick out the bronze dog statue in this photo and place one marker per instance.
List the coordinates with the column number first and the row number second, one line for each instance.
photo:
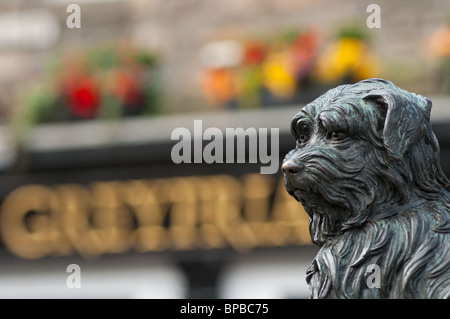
column 366, row 169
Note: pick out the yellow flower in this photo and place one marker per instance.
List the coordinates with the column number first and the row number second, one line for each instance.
column 276, row 76
column 368, row 68
column 346, row 57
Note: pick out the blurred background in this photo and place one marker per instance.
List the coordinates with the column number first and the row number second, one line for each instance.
column 91, row 90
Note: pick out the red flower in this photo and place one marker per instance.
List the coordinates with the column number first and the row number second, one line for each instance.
column 83, row 98
column 128, row 90
column 254, row 53
column 302, row 52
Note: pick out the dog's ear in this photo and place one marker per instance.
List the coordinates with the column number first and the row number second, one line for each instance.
column 406, row 120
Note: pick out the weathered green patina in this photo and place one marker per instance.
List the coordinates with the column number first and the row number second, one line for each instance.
column 366, row 169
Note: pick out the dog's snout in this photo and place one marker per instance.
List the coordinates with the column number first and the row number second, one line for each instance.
column 291, row 167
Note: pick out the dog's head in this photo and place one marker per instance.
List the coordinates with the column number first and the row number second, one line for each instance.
column 361, row 150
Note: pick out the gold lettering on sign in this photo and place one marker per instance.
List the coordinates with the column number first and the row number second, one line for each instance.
column 257, row 192
column 25, row 224
column 76, row 214
column 148, row 202
column 182, row 213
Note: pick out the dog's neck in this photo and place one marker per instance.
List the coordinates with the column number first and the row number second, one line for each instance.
column 320, row 222
column 389, row 209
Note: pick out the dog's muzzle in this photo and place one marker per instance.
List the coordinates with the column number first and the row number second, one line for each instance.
column 291, row 167
column 293, row 171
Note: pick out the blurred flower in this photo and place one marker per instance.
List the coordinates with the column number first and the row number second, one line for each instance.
column 219, row 85
column 301, row 54
column 440, row 42
column 277, row 77
column 83, row 98
column 249, row 84
column 221, row 54
column 248, row 74
column 290, row 63
column 128, row 89
column 102, row 82
column 347, row 58
column 257, row 72
column 254, row 53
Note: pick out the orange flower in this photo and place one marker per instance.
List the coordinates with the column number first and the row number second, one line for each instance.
column 219, row 85
column 440, row 42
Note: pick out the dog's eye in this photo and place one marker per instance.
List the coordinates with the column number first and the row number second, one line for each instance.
column 303, row 138
column 337, row 136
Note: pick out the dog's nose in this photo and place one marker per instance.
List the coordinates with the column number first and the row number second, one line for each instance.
column 291, row 167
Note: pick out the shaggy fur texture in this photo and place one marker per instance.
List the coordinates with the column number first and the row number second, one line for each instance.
column 366, row 169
